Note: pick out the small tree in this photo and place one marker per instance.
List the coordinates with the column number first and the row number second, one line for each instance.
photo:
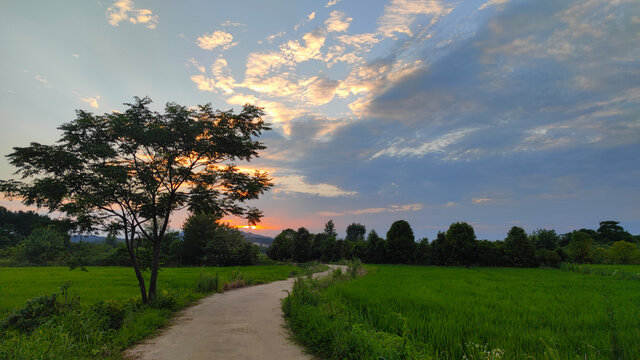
column 518, row 248
column 375, row 250
column 128, row 172
column 400, row 243
column 580, row 247
column 198, row 229
column 301, row 245
column 330, row 229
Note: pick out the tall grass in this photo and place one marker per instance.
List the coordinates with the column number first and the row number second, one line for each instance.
column 621, row 272
column 453, row 313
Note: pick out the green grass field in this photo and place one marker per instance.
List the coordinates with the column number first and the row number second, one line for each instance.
column 442, row 312
column 100, row 283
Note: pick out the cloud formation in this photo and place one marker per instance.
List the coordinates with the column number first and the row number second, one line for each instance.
column 298, row 184
column 216, row 39
column 388, row 209
column 123, row 10
column 92, row 101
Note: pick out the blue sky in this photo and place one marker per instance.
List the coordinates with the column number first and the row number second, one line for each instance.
column 494, row 112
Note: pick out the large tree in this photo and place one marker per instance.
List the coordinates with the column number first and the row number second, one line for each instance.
column 400, row 243
column 355, row 232
column 519, row 249
column 130, row 171
column 461, row 238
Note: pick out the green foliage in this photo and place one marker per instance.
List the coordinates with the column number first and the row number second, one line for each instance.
column 549, row 258
column 518, row 249
column 400, row 244
column 282, row 245
column 480, row 313
column 92, row 325
column 461, row 242
column 355, row 232
column 580, row 247
column 301, row 245
column 127, row 172
column 622, row 252
column 325, row 324
column 545, row 239
column 330, row 229
column 610, row 232
column 208, row 282
column 42, row 246
column 197, row 230
column 620, row 272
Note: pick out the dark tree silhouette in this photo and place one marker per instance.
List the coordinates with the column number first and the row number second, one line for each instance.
column 462, row 240
column 400, row 243
column 130, row 171
column 519, row 249
column 355, row 232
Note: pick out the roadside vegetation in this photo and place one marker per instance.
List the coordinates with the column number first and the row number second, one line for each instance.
column 54, row 313
column 409, row 312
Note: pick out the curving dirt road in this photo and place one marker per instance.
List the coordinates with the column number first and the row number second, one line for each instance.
column 244, row 323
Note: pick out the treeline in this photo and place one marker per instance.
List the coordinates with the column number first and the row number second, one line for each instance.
column 459, row 246
column 30, row 239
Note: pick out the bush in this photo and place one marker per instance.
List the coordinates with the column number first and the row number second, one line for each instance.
column 39, row 310
column 208, row 283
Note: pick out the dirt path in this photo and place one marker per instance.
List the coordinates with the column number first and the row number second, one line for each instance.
column 239, row 324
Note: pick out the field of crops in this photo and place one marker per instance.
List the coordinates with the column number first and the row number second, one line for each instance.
column 100, row 283
column 488, row 313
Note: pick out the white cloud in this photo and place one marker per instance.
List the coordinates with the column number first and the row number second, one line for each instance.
column 197, row 65
column 492, row 3
column 42, row 80
column 304, row 21
column 400, row 148
column 481, row 200
column 221, row 80
column 331, row 3
column 123, row 10
column 359, row 40
column 338, row 22
column 296, row 52
column 92, row 101
column 215, row 39
column 298, row 184
column 75, row 56
column 229, row 23
column 390, row 209
column 270, row 38
column 400, row 14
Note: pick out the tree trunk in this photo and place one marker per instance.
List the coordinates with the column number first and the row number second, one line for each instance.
column 154, row 270
column 136, row 266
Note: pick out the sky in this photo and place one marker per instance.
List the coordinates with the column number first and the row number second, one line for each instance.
column 499, row 113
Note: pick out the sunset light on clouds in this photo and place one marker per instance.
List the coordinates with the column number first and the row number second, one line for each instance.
column 490, row 112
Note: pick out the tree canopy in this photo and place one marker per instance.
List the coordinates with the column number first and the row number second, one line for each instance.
column 129, row 171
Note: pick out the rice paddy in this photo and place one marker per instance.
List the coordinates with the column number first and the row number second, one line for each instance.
column 101, row 283
column 450, row 313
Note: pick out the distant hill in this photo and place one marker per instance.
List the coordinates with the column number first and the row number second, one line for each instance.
column 257, row 239
column 88, row 238
column 260, row 240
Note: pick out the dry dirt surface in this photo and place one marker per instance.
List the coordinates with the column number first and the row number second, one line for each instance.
column 243, row 324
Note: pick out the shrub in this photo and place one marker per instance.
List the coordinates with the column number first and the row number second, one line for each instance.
column 207, row 283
